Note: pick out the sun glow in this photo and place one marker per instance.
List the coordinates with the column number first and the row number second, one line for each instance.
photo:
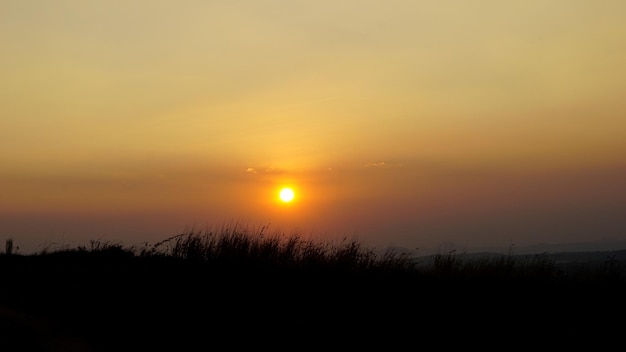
column 286, row 195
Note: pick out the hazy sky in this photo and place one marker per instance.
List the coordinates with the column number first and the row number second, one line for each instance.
column 400, row 122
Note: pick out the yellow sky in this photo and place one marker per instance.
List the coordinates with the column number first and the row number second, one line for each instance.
column 408, row 122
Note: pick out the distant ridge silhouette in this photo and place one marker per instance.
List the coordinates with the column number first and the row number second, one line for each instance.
column 609, row 245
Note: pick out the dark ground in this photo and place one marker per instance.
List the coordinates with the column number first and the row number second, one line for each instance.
column 75, row 303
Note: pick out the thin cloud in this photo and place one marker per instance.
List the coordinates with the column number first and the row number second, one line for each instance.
column 264, row 171
column 384, row 164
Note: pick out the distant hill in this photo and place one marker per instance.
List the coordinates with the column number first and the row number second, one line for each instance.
column 566, row 256
column 584, row 257
column 596, row 246
column 577, row 249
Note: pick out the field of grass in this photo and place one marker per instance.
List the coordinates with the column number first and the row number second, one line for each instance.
column 238, row 287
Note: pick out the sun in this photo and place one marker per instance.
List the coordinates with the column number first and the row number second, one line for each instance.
column 286, row 195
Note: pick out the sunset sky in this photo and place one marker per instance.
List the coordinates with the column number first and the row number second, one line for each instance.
column 403, row 122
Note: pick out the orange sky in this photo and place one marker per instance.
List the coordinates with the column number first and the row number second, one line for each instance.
column 410, row 123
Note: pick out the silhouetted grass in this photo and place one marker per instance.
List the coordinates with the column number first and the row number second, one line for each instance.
column 240, row 248
column 200, row 285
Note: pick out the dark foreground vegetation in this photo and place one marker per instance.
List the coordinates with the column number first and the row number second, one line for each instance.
column 236, row 288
